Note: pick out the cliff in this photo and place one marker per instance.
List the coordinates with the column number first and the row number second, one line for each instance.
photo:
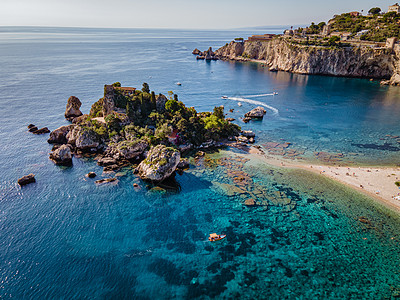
column 279, row 54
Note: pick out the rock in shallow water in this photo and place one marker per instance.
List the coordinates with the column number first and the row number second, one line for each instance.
column 72, row 109
column 62, row 156
column 257, row 112
column 26, row 179
column 160, row 163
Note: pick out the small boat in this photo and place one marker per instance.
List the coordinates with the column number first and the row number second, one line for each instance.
column 240, row 104
column 178, row 83
column 216, row 237
column 224, row 97
column 275, row 93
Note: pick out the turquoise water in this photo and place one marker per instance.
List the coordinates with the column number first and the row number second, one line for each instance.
column 308, row 237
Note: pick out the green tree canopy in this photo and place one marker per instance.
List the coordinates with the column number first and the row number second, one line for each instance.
column 374, row 11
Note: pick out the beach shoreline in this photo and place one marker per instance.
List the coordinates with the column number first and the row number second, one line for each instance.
column 375, row 182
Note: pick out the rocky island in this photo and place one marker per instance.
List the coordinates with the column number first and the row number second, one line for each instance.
column 349, row 45
column 136, row 127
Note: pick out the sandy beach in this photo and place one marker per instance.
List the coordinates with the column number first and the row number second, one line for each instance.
column 377, row 182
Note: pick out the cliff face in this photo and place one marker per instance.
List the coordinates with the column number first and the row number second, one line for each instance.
column 279, row 54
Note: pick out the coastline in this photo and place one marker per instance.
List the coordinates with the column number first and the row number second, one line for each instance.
column 375, row 182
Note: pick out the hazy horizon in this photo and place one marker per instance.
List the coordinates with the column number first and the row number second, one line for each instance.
column 175, row 14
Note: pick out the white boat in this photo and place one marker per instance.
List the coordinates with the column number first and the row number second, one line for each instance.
column 224, row 97
column 240, row 103
column 275, row 93
column 178, row 83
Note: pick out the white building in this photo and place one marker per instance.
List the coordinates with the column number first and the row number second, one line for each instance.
column 395, row 8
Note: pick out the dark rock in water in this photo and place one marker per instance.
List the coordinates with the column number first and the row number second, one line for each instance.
column 183, row 164
column 62, row 156
column 33, row 129
column 72, row 109
column 41, row 131
column 106, row 161
column 248, row 133
column 106, row 180
column 59, row 135
column 26, row 179
column 160, row 163
column 201, row 57
column 230, row 119
column 246, row 120
column 91, row 175
column 251, row 140
column 196, row 51
column 30, row 126
column 257, row 113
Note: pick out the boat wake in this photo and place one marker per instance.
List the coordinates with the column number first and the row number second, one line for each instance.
column 273, row 109
column 262, row 95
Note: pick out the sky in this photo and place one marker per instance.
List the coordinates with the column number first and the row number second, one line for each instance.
column 185, row 14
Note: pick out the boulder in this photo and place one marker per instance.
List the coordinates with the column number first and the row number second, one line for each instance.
column 106, row 180
column 41, row 131
column 106, row 161
column 72, row 109
column 59, row 135
column 196, row 51
column 246, row 119
column 87, row 140
column 160, row 163
column 183, row 164
column 248, row 133
column 33, row 129
column 160, row 103
column 131, row 149
column 91, row 175
column 30, row 126
column 26, row 179
column 230, row 119
column 62, row 156
column 257, row 113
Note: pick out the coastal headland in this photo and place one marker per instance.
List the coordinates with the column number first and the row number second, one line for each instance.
column 348, row 45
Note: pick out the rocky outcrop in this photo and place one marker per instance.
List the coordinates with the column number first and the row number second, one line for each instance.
column 87, row 140
column 26, row 179
column 41, row 131
column 73, row 108
column 283, row 55
column 131, row 149
column 83, row 139
column 59, row 135
column 91, row 175
column 196, row 51
column 160, row 103
column 62, row 156
column 32, row 128
column 256, row 113
column 160, row 163
column 207, row 55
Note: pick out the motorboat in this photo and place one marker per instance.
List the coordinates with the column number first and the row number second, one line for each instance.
column 216, row 237
column 224, row 97
column 178, row 83
column 240, row 104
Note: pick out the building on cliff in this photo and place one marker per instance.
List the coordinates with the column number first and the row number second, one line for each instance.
column 263, row 37
column 354, row 14
column 395, row 8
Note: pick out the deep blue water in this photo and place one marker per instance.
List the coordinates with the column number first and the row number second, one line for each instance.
column 64, row 237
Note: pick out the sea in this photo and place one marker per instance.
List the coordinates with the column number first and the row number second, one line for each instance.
column 64, row 237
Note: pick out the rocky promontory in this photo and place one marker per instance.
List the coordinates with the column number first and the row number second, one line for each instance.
column 281, row 54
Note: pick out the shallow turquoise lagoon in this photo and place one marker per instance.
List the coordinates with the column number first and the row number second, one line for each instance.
column 308, row 237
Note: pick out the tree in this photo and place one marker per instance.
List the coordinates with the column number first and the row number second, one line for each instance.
column 219, row 112
column 374, row 11
column 145, row 88
column 116, row 84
